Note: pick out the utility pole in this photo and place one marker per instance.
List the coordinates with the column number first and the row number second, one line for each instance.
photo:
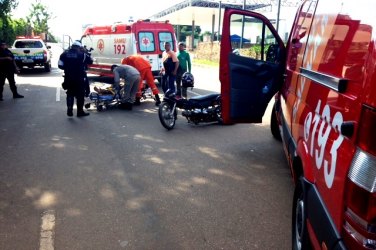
column 278, row 13
column 243, row 20
column 219, row 20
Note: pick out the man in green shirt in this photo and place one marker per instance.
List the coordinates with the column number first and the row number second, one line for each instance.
column 184, row 66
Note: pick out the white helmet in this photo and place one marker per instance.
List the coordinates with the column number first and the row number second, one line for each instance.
column 77, row 43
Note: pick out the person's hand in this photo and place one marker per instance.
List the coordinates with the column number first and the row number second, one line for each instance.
column 17, row 70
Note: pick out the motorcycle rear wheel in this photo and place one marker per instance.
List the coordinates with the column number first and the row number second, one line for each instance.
column 166, row 116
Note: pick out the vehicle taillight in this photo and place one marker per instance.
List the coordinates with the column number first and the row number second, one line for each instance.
column 366, row 135
column 360, row 206
column 45, row 54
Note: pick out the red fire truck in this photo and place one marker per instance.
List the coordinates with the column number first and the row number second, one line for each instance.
column 111, row 43
column 324, row 83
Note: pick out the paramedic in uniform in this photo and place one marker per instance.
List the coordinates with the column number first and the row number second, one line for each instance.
column 73, row 62
column 144, row 67
column 131, row 78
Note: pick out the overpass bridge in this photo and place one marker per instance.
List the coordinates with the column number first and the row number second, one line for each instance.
column 208, row 13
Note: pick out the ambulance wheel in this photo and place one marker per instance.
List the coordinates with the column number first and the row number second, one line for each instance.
column 274, row 126
column 87, row 105
column 300, row 238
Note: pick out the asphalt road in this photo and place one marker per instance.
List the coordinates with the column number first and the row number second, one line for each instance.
column 118, row 180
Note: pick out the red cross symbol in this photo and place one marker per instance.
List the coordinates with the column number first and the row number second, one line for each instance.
column 145, row 41
column 100, row 45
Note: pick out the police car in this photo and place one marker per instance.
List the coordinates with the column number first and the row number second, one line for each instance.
column 31, row 52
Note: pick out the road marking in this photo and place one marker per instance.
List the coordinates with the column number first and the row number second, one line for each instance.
column 58, row 94
column 47, row 230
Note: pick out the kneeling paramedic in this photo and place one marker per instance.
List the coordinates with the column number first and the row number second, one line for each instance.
column 73, row 62
column 144, row 67
column 131, row 78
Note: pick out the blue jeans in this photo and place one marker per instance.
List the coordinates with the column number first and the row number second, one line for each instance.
column 168, row 83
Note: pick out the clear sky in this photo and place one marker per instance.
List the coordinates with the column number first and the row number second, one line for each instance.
column 71, row 15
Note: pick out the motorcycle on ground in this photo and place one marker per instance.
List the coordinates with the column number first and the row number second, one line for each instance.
column 198, row 109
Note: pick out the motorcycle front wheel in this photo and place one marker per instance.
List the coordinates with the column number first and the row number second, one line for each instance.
column 166, row 116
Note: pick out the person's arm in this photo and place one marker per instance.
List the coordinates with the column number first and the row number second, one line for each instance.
column 10, row 57
column 161, row 72
column 87, row 59
column 176, row 68
column 189, row 63
column 176, row 61
column 16, row 69
column 7, row 58
column 60, row 63
column 116, row 80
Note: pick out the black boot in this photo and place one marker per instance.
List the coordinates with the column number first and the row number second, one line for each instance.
column 70, row 102
column 138, row 101
column 126, row 106
column 81, row 113
column 80, row 107
column 17, row 96
column 157, row 100
column 13, row 88
column 1, row 92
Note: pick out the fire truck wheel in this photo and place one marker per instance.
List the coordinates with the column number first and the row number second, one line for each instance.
column 300, row 238
column 274, row 126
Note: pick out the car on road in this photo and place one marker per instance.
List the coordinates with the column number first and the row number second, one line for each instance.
column 31, row 52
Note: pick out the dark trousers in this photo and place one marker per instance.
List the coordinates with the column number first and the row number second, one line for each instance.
column 168, row 83
column 180, row 90
column 11, row 81
column 77, row 92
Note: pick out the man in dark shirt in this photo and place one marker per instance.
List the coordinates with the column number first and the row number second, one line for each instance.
column 73, row 62
column 169, row 70
column 7, row 69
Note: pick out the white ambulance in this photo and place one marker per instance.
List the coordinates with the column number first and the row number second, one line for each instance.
column 111, row 43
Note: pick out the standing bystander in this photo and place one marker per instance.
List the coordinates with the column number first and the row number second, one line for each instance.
column 184, row 66
column 8, row 68
column 169, row 70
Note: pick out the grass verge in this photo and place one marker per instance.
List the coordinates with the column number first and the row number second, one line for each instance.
column 203, row 62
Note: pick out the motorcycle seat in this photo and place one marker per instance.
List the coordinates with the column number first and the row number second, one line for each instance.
column 204, row 97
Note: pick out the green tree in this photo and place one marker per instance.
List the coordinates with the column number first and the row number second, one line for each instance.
column 6, row 31
column 186, row 30
column 6, row 7
column 39, row 17
column 20, row 27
